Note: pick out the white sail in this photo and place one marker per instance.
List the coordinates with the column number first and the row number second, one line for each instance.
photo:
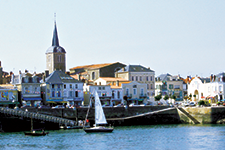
column 99, row 114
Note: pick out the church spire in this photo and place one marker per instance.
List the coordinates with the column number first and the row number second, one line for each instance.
column 55, row 39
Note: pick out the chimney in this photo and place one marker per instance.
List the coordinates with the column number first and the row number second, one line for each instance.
column 214, row 78
column 211, row 77
column 117, row 82
column 46, row 73
column 19, row 71
column 78, row 76
column 26, row 71
column 148, row 68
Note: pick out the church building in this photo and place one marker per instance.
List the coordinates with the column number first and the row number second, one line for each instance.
column 55, row 55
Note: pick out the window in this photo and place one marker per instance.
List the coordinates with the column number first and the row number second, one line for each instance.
column 30, row 79
column 71, row 86
column 170, row 86
column 176, row 86
column 26, row 90
column 142, row 91
column 71, row 93
column 132, row 78
column 76, row 93
column 93, row 75
column 99, row 88
column 147, row 86
column 58, row 86
column 127, row 91
column 140, row 78
column 64, row 86
column 146, row 78
column 113, row 95
column 59, row 94
column 151, row 86
column 134, row 91
column 103, row 88
column 118, row 94
column 136, row 78
column 53, row 93
column 53, row 86
column 76, row 86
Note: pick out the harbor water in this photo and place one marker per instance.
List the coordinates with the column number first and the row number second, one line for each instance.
column 154, row 137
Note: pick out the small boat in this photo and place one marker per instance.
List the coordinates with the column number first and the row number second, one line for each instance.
column 34, row 133
column 99, row 118
column 37, row 132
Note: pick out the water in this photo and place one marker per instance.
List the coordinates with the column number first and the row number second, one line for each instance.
column 154, row 137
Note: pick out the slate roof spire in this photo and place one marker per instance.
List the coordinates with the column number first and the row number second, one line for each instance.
column 55, row 39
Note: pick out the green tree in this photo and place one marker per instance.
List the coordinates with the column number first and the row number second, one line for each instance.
column 166, row 97
column 158, row 97
column 173, row 97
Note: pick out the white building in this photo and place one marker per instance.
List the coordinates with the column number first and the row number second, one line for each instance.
column 202, row 88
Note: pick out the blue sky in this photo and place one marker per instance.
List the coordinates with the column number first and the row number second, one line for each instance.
column 176, row 37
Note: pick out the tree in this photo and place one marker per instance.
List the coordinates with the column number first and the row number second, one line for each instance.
column 166, row 97
column 158, row 97
column 173, row 97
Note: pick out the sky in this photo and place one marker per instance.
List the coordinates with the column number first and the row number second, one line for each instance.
column 175, row 37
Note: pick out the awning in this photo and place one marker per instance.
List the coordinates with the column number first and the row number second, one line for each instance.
column 32, row 98
column 51, row 102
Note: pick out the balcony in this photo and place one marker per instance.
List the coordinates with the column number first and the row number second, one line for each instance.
column 143, row 96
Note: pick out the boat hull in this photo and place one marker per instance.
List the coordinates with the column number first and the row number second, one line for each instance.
column 91, row 130
column 35, row 134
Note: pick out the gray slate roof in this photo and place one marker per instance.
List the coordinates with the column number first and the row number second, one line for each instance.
column 55, row 43
column 59, row 77
column 163, row 77
column 135, row 68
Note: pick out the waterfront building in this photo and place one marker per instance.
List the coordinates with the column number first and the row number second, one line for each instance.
column 28, row 86
column 8, row 95
column 94, row 71
column 208, row 88
column 55, row 55
column 139, row 74
column 136, row 92
column 104, row 92
column 116, row 87
column 167, row 84
column 61, row 88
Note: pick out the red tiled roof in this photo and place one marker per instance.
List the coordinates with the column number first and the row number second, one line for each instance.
column 93, row 66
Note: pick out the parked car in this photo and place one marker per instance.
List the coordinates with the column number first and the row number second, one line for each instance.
column 26, row 106
column 58, row 107
column 119, row 105
column 192, row 103
column 44, row 106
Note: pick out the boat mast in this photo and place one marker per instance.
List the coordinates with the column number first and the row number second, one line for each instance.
column 87, row 112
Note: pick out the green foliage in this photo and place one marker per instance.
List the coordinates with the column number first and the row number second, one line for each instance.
column 158, row 97
column 173, row 97
column 185, row 97
column 201, row 102
column 166, row 97
column 218, row 103
column 190, row 95
column 194, row 95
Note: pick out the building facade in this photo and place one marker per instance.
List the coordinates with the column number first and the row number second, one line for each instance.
column 60, row 88
column 139, row 74
column 29, row 87
column 166, row 84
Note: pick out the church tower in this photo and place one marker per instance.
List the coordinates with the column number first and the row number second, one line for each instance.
column 55, row 55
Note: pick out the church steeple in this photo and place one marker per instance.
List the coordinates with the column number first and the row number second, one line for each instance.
column 55, row 39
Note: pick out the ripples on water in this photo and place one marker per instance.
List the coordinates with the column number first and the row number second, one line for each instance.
column 154, row 137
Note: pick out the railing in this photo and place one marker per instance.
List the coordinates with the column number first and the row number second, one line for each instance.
column 26, row 114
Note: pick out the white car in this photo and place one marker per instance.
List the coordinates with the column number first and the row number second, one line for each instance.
column 58, row 107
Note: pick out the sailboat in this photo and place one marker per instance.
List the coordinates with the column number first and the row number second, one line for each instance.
column 99, row 118
column 41, row 132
